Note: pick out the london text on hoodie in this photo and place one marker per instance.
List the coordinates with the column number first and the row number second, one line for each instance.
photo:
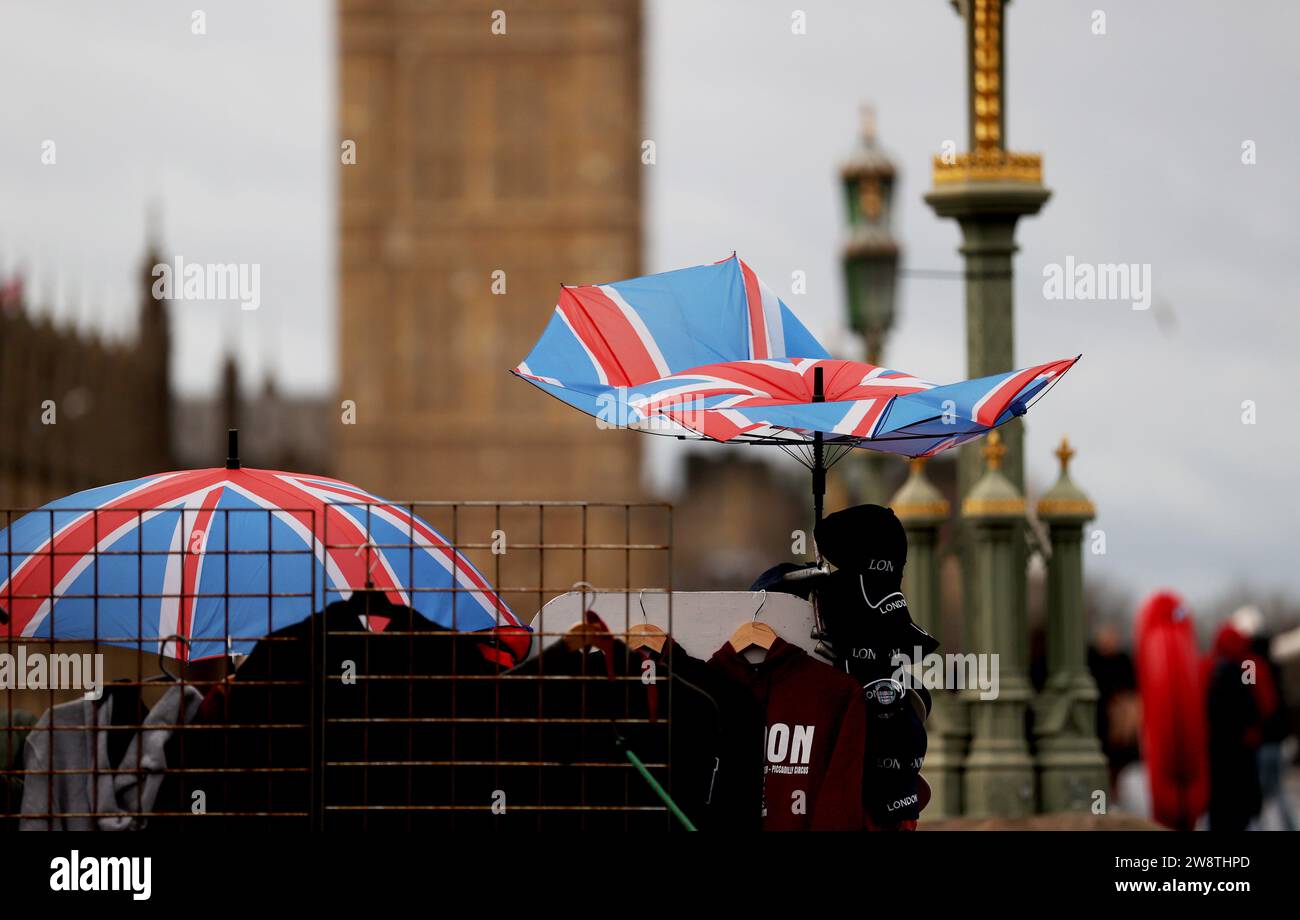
column 814, row 738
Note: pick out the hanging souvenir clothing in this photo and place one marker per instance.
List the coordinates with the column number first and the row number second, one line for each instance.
column 15, row 725
column 814, row 738
column 896, row 746
column 63, row 801
column 77, row 749
column 127, row 798
column 717, row 744
column 794, row 578
column 373, row 704
column 552, row 736
column 861, row 603
column 873, row 637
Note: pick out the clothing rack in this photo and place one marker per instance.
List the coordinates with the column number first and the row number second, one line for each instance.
column 699, row 621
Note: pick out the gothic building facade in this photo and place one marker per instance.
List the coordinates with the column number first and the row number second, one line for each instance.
column 76, row 409
column 79, row 410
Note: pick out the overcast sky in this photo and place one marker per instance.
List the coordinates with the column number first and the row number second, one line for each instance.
column 231, row 133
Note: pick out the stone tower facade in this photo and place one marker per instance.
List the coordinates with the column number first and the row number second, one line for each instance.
column 497, row 155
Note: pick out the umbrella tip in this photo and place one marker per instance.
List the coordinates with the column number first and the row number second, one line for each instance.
column 232, row 449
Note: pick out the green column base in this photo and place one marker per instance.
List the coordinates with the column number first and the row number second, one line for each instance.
column 1073, row 771
column 1000, row 775
column 949, row 736
column 998, row 783
column 1071, row 764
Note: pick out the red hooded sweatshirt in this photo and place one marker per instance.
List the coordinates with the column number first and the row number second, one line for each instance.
column 814, row 738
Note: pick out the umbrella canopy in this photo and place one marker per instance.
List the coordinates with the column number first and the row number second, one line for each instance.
column 203, row 555
column 711, row 353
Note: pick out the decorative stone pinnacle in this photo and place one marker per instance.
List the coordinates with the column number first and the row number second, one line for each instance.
column 918, row 503
column 994, row 451
column 867, row 113
column 1065, row 502
column 994, row 497
column 1065, row 453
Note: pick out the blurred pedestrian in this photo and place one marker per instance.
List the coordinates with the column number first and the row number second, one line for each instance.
column 1118, row 707
column 1242, row 696
column 1171, row 682
column 1274, row 731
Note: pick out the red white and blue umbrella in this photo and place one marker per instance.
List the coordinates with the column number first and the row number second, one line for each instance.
column 177, row 562
column 712, row 353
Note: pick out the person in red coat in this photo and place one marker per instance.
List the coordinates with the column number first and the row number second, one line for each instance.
column 1173, row 711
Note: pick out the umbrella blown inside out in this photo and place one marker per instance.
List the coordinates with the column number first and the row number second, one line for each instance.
column 711, row 353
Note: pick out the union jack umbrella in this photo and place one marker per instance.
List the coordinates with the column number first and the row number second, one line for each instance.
column 176, row 563
column 712, row 353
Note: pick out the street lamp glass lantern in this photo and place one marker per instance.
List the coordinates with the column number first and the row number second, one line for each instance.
column 869, row 277
column 870, row 255
column 869, row 195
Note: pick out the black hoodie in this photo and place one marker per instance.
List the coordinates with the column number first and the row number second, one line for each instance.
column 554, row 733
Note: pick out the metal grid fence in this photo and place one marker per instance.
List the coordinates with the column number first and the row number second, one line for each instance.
column 242, row 694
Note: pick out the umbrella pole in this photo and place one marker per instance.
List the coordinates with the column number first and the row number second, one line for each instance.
column 819, row 455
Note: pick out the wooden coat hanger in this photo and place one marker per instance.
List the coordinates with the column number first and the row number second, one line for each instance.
column 647, row 634
column 753, row 634
column 588, row 632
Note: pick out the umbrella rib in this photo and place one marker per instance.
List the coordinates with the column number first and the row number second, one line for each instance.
column 843, row 451
column 792, row 452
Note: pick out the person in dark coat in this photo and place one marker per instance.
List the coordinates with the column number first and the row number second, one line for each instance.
column 1237, row 712
column 1117, row 704
column 1275, row 730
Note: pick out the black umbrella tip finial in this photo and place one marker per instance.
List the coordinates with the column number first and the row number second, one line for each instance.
column 232, row 449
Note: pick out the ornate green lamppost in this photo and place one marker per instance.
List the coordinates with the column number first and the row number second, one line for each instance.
column 871, row 253
column 870, row 260
column 987, row 189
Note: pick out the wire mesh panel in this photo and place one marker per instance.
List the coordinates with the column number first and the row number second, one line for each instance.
column 357, row 665
column 432, row 724
column 119, row 623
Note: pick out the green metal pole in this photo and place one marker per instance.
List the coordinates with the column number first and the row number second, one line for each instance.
column 658, row 789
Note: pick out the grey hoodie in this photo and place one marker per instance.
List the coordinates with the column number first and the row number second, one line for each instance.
column 92, row 800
